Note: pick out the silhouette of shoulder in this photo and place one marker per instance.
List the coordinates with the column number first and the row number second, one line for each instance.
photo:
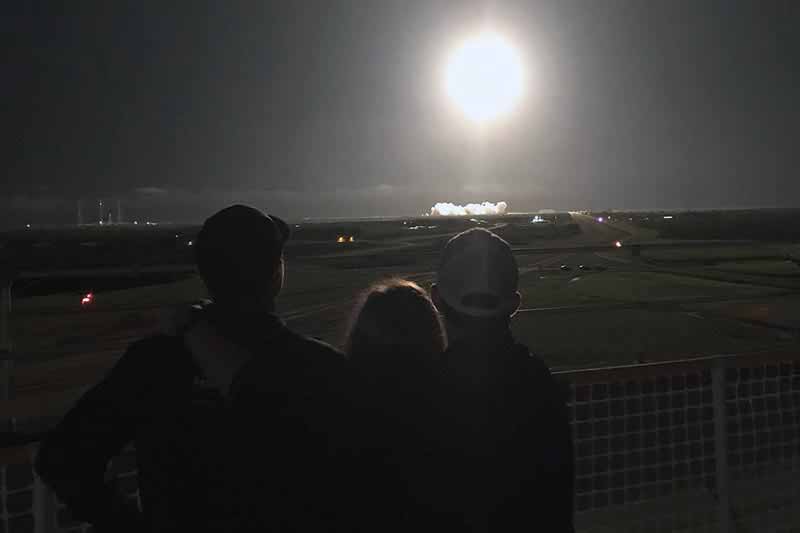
column 536, row 382
column 314, row 348
column 153, row 367
column 294, row 356
column 166, row 352
column 534, row 366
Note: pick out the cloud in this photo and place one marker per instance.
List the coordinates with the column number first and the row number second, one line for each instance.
column 32, row 202
column 151, row 191
column 486, row 208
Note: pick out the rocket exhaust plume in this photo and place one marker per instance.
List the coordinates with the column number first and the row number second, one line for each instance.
column 446, row 209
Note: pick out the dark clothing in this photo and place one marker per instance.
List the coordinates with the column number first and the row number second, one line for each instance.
column 300, row 458
column 400, row 442
column 507, row 456
column 263, row 457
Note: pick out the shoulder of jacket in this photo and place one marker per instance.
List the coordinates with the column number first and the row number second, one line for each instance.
column 533, row 366
column 312, row 346
column 156, row 342
column 159, row 354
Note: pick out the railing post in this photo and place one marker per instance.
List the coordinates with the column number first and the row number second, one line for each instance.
column 44, row 507
column 5, row 312
column 721, row 446
column 6, row 358
column 7, row 390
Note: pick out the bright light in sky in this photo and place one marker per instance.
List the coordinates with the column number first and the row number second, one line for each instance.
column 484, row 77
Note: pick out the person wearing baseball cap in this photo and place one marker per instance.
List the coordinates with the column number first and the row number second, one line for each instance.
column 239, row 423
column 507, row 457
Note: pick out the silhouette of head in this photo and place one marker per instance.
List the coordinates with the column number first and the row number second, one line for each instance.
column 477, row 278
column 395, row 329
column 239, row 254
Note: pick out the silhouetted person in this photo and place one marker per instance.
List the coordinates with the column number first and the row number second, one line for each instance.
column 236, row 419
column 507, row 458
column 395, row 342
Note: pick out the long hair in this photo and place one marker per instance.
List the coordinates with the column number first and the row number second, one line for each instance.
column 395, row 329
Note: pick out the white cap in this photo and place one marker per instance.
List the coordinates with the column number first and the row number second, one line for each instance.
column 478, row 275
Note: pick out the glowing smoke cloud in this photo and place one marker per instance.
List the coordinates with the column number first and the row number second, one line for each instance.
column 446, row 209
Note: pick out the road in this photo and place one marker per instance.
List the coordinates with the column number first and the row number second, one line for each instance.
column 594, row 232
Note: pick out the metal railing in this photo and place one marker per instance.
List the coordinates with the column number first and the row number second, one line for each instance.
column 707, row 444
column 688, row 445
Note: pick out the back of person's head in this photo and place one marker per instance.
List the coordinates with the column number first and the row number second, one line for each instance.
column 395, row 329
column 477, row 281
column 239, row 254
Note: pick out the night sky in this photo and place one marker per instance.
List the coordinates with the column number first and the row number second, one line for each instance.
column 319, row 109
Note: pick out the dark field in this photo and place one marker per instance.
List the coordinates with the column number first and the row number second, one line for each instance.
column 663, row 299
column 782, row 225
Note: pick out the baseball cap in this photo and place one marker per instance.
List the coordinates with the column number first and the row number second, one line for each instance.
column 478, row 275
column 239, row 248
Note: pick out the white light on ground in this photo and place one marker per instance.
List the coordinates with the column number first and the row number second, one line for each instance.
column 618, row 244
column 668, row 217
column 600, row 219
column 484, row 77
column 28, row 226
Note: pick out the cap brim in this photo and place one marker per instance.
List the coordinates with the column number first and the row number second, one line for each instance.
column 504, row 307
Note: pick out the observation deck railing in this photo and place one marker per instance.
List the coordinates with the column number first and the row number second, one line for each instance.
column 706, row 444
